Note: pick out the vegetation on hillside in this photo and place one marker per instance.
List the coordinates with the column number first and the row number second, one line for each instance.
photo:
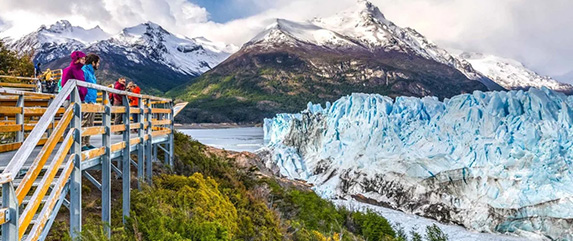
column 12, row 64
column 210, row 197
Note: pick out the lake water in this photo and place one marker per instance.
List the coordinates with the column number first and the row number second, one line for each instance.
column 233, row 139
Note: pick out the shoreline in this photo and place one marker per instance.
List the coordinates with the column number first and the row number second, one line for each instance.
column 215, row 125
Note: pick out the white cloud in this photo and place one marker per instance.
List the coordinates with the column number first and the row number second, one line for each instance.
column 538, row 33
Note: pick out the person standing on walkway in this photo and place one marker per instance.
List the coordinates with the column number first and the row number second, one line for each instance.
column 74, row 71
column 118, row 100
column 92, row 64
column 134, row 101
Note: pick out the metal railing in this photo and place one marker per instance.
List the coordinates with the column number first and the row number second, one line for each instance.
column 57, row 175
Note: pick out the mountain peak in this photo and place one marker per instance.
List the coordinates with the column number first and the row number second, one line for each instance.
column 366, row 8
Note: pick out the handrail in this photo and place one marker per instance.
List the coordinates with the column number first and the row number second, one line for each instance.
column 119, row 92
column 43, row 156
column 18, row 77
column 29, row 144
column 19, row 92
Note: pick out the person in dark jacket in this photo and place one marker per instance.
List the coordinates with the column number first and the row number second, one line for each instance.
column 74, row 71
column 118, row 100
column 92, row 64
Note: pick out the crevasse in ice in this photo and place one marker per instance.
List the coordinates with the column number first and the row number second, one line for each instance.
column 493, row 161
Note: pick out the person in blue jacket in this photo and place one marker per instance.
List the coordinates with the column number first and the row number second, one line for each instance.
column 92, row 64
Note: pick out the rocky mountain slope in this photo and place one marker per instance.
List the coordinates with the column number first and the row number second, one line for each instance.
column 291, row 63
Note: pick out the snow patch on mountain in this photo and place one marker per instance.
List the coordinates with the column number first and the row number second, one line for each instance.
column 363, row 27
column 141, row 43
column 285, row 32
column 56, row 41
column 510, row 73
column 492, row 162
column 150, row 41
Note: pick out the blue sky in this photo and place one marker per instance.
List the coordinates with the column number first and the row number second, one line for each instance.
column 222, row 11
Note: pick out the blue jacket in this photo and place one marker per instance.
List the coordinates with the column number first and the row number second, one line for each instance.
column 91, row 96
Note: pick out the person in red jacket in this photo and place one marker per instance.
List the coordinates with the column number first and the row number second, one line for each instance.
column 118, row 100
column 134, row 101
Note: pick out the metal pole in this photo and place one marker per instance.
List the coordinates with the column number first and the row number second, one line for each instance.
column 76, row 177
column 149, row 144
column 20, row 119
column 106, row 168
column 172, row 134
column 10, row 229
column 126, row 180
column 140, row 146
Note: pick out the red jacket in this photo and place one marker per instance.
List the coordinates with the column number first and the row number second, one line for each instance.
column 118, row 99
column 134, row 101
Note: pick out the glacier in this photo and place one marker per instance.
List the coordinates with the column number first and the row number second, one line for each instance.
column 490, row 161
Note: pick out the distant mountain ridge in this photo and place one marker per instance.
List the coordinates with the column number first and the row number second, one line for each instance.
column 512, row 74
column 146, row 53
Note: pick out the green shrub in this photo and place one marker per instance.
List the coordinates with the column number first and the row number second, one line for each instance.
column 434, row 233
column 373, row 226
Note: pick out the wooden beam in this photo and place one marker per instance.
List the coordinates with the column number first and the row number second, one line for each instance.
column 93, row 108
column 10, row 110
column 93, row 130
column 118, row 109
column 93, row 153
column 160, row 111
column 117, row 128
column 10, row 128
column 161, row 122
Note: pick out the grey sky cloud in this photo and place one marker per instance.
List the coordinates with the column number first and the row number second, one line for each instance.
column 537, row 33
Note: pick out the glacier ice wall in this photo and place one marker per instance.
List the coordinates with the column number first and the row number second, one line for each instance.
column 493, row 161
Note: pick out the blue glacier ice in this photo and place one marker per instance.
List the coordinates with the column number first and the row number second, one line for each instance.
column 490, row 161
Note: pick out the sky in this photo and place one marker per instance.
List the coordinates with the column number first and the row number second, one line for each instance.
column 536, row 33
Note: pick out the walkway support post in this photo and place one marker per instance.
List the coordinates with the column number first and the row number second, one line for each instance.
column 172, row 134
column 10, row 205
column 126, row 177
column 141, row 145
column 20, row 119
column 106, row 167
column 149, row 144
column 76, row 176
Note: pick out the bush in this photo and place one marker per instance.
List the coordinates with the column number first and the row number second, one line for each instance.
column 373, row 226
column 182, row 208
column 434, row 233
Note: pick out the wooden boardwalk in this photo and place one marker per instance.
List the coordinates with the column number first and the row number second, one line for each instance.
column 42, row 169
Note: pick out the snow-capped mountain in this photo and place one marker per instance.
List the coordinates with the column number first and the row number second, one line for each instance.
column 490, row 161
column 511, row 74
column 56, row 41
column 150, row 41
column 135, row 52
column 363, row 27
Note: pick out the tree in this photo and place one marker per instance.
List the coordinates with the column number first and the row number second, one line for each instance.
column 12, row 64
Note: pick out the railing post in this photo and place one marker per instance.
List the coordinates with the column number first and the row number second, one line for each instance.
column 20, row 119
column 9, row 200
column 106, row 167
column 172, row 134
column 126, row 179
column 76, row 176
column 140, row 146
column 149, row 144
